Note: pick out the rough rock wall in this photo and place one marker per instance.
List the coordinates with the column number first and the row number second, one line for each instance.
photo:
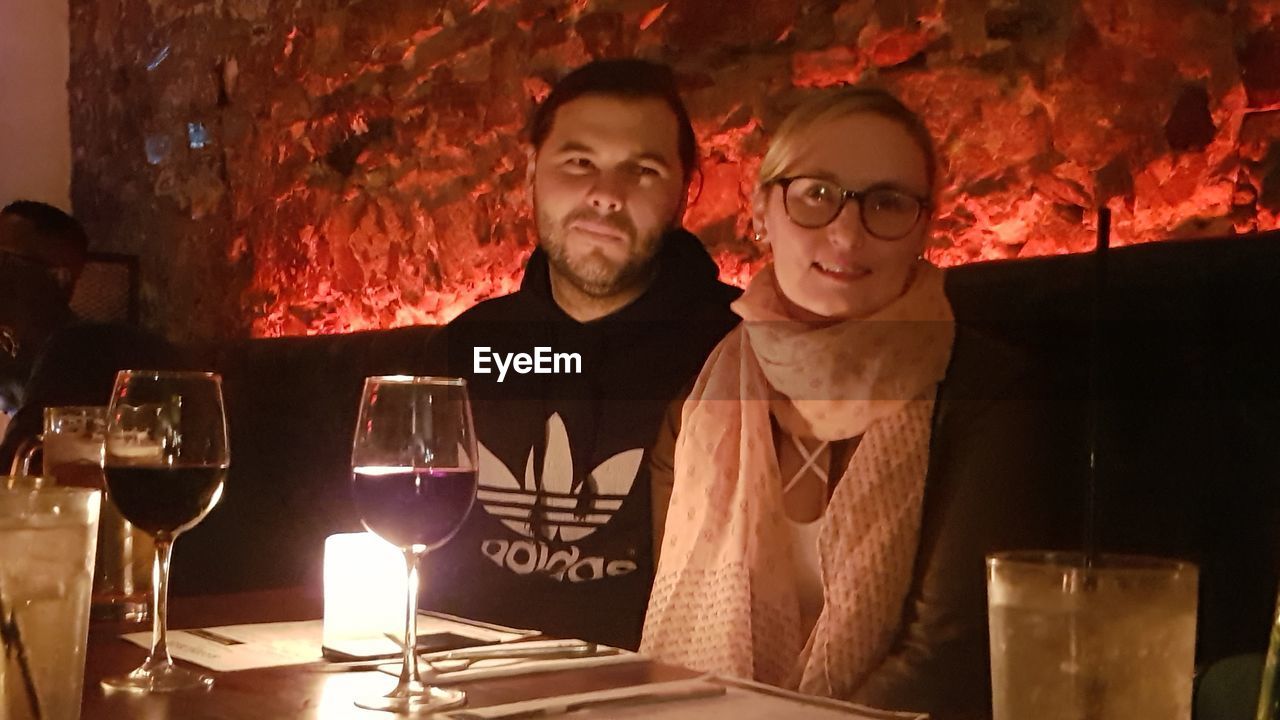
column 323, row 166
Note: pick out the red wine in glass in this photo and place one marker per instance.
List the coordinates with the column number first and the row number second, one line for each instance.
column 162, row 499
column 413, row 507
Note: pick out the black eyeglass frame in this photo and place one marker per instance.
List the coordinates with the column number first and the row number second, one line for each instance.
column 923, row 204
column 21, row 261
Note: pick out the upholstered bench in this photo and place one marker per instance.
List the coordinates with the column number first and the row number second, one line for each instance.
column 1189, row 434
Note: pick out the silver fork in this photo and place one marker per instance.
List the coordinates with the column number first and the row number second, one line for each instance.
column 459, row 660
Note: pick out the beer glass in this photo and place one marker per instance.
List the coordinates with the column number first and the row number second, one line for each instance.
column 72, row 445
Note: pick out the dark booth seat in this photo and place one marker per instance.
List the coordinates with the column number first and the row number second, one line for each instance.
column 1188, row 451
column 1189, row 435
column 291, row 408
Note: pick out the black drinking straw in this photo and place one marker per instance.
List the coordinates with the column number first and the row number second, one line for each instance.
column 12, row 637
column 1095, row 383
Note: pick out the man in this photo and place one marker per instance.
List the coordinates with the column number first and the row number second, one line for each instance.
column 47, row 238
column 47, row 358
column 618, row 309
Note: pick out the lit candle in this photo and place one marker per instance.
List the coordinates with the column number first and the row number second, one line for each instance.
column 365, row 584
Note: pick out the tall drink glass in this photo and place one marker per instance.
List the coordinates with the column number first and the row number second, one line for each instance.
column 1115, row 641
column 47, row 538
column 73, row 441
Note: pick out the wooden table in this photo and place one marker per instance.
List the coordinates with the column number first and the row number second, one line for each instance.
column 300, row 691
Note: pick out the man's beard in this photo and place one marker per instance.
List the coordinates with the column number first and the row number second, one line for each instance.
column 593, row 274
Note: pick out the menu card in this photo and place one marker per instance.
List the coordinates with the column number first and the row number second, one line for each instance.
column 243, row 647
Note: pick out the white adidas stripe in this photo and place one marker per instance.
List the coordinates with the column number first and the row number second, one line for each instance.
column 509, row 512
column 558, row 517
column 570, row 517
column 526, row 498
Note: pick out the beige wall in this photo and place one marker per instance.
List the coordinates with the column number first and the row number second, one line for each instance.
column 35, row 130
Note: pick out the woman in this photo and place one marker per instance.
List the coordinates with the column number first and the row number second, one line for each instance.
column 801, row 547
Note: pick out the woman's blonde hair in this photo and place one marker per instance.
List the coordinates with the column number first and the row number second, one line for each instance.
column 836, row 103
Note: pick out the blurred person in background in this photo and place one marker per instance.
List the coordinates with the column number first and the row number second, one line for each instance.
column 48, row 357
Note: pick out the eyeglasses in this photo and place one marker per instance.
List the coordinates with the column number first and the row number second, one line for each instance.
column 61, row 275
column 885, row 212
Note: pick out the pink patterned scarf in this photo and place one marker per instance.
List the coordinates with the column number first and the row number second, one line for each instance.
column 724, row 598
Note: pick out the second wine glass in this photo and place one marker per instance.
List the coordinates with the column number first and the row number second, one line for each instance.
column 165, row 460
column 413, row 479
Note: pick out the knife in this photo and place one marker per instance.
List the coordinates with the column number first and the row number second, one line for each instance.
column 635, row 699
column 566, row 648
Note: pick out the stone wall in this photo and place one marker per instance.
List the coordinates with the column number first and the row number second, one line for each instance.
column 325, row 166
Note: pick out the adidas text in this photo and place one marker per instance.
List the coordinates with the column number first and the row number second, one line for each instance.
column 542, row 362
column 525, row 557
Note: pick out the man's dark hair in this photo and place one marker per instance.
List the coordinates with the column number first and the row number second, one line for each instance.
column 627, row 78
column 49, row 221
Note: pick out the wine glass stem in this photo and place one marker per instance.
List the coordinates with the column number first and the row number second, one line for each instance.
column 409, row 676
column 160, row 618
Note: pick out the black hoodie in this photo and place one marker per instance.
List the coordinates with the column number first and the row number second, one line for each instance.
column 559, row 538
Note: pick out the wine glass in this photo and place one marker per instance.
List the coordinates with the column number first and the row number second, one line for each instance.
column 165, row 459
column 413, row 478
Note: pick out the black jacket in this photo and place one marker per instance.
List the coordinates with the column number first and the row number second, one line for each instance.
column 77, row 365
column 559, row 538
column 990, row 453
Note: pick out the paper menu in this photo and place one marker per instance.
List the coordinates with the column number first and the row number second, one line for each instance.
column 243, row 647
column 429, row 623
column 230, row 648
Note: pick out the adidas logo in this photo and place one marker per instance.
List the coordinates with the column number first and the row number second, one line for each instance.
column 526, row 557
column 564, row 513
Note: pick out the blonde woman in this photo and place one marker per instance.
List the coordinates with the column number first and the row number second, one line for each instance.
column 823, row 534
